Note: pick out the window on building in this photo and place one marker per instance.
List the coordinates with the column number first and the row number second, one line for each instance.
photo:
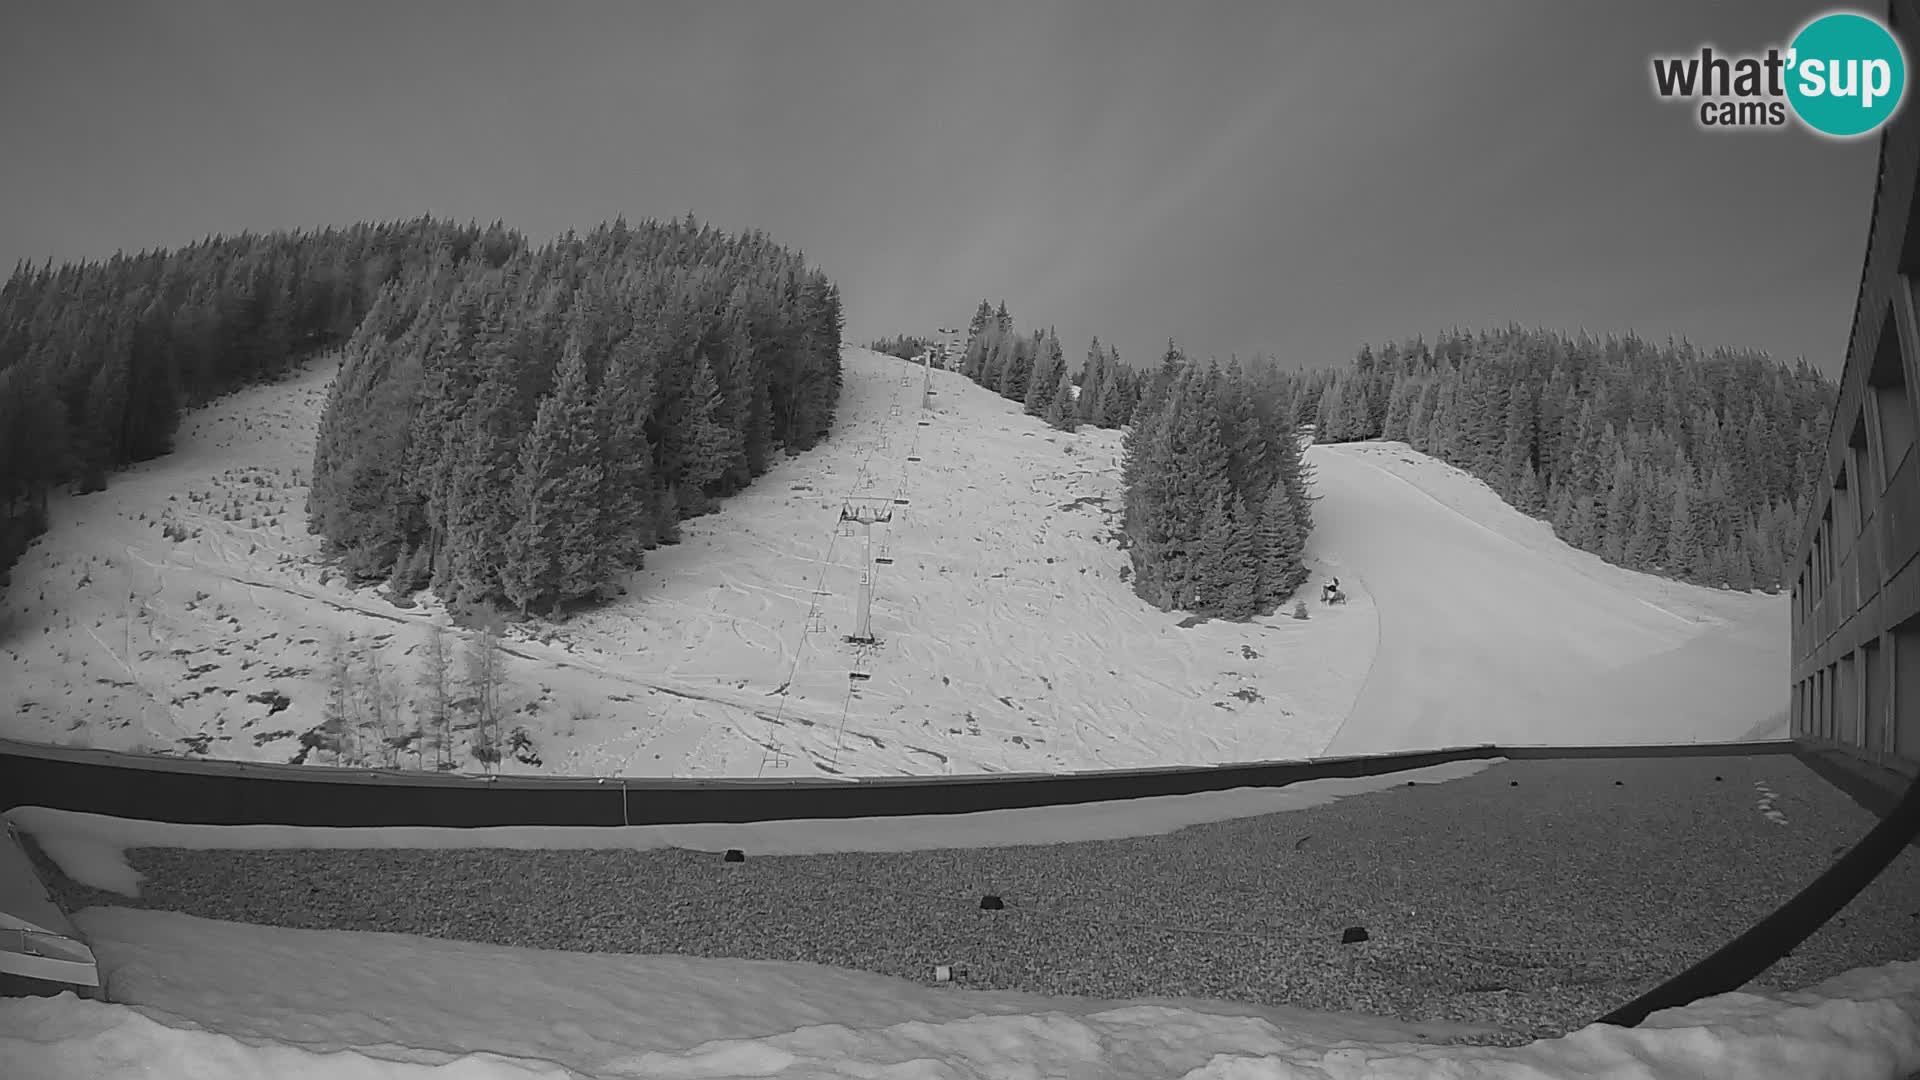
column 1893, row 408
column 1846, row 509
column 1863, row 472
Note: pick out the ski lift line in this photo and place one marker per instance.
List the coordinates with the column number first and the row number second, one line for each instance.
column 839, row 737
column 800, row 650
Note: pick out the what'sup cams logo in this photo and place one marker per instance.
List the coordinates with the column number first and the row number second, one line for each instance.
column 1842, row 75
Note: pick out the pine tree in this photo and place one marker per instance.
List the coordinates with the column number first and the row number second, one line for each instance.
column 1148, row 472
column 486, row 683
column 1617, row 532
column 1240, row 567
column 1395, row 427
column 1094, row 383
column 1062, row 412
column 1250, row 468
column 340, row 715
column 1297, row 476
column 382, row 710
column 1417, row 415
column 1017, row 369
column 1049, row 374
column 556, row 551
column 1681, row 556
column 1739, row 567
column 1209, row 571
column 101, row 448
column 1563, row 504
column 1646, row 544
column 1584, row 529
column 1120, row 404
column 1281, row 546
column 711, row 444
column 627, row 482
column 1516, row 449
column 436, row 688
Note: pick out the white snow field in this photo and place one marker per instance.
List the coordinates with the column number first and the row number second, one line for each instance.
column 186, row 608
column 1493, row 630
column 213, row 1000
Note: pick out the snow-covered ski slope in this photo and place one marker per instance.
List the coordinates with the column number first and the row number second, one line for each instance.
column 187, row 605
column 1494, row 630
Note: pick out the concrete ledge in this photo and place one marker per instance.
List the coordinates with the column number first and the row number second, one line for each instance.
column 1877, row 788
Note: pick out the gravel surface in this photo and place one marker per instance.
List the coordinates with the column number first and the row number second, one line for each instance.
column 1533, row 896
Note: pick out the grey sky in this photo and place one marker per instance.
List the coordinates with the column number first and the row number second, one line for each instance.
column 1261, row 176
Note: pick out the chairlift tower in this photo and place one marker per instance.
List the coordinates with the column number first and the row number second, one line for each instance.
column 866, row 513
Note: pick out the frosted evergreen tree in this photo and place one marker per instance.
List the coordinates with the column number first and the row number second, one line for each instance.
column 711, row 444
column 1061, row 411
column 556, row 550
column 1281, row 546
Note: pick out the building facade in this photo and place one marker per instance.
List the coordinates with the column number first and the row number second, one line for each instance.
column 1856, row 593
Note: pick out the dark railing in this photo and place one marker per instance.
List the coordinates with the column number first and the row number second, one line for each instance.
column 213, row 792
column 232, row 793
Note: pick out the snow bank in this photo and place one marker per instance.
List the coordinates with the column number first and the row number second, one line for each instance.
column 1492, row 630
column 211, row 1000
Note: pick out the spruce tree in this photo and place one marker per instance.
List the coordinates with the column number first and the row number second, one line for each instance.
column 982, row 318
column 556, row 550
column 1124, row 398
column 1250, row 468
column 711, row 444
column 1240, row 565
column 1208, row 572
column 1281, row 547
column 1618, row 529
column 1016, row 370
column 1062, row 412
column 627, row 482
column 1417, row 412
column 1049, row 374
column 1681, row 555
column 1395, row 426
column 1149, row 473
column 1646, row 544
column 1516, row 450
column 1094, row 383
column 1584, row 529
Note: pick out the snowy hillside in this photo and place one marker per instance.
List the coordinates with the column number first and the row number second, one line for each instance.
column 187, row 608
column 1493, row 630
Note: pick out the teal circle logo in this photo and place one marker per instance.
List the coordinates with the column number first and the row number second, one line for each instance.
column 1846, row 74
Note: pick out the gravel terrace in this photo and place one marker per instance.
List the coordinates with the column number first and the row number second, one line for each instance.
column 1533, row 896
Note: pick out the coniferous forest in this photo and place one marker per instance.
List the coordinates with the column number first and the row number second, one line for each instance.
column 522, row 433
column 508, row 424
column 1659, row 458
column 903, row 347
column 99, row 359
column 1218, row 500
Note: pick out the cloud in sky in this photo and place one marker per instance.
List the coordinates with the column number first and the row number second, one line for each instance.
column 1293, row 178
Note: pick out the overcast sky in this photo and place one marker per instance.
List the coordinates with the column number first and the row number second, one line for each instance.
column 1269, row 176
